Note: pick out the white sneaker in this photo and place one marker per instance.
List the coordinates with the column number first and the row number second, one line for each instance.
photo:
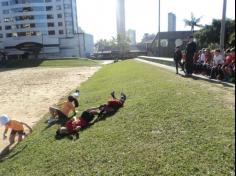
column 50, row 120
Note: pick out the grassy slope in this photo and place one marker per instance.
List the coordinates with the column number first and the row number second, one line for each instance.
column 167, row 127
column 51, row 63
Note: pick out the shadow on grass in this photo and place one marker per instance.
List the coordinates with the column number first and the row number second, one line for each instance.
column 7, row 150
column 76, row 135
column 195, row 77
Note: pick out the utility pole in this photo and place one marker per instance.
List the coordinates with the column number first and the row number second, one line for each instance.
column 222, row 31
column 159, row 27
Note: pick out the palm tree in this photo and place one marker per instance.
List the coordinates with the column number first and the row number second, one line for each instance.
column 193, row 22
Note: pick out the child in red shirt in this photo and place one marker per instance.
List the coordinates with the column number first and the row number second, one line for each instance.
column 75, row 124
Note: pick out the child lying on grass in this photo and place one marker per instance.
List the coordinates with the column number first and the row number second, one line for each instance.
column 62, row 114
column 16, row 126
column 75, row 124
column 112, row 105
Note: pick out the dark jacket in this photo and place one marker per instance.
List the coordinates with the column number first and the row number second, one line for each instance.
column 178, row 55
column 191, row 49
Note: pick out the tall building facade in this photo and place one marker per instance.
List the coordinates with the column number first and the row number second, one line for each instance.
column 120, row 17
column 131, row 34
column 171, row 22
column 51, row 23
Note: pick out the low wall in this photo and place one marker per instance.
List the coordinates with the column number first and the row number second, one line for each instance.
column 160, row 60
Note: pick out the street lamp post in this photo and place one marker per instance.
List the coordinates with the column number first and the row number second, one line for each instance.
column 159, row 27
column 222, row 31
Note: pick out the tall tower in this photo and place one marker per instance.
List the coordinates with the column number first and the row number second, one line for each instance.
column 120, row 17
column 171, row 22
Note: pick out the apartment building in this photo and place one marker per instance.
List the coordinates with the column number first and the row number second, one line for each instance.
column 50, row 24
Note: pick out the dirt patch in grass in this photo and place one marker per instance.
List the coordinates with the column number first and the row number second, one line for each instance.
column 26, row 94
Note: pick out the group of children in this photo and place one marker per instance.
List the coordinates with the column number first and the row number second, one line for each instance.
column 213, row 63
column 69, row 124
column 76, row 123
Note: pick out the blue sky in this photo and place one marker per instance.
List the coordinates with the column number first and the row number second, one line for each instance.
column 98, row 17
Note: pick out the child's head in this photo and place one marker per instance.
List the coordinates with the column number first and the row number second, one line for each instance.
column 217, row 52
column 4, row 119
column 72, row 99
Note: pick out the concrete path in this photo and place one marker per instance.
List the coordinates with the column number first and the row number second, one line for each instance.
column 194, row 75
column 105, row 62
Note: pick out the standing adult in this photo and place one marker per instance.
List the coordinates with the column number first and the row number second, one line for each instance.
column 190, row 51
column 177, row 58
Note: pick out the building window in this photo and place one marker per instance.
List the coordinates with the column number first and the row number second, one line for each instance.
column 13, row 2
column 68, row 23
column 14, row 34
column 0, row 28
column 7, row 19
column 61, row 32
column 7, row 27
column 58, row 7
column 5, row 11
column 21, row 34
column 5, row 3
column 1, row 35
column 59, row 15
column 67, row 6
column 60, row 24
column 51, row 32
column 69, row 31
column 31, row 33
column 49, row 8
column 178, row 42
column 28, row 9
column 49, row 16
column 67, row 1
column 9, row 35
column 50, row 24
column 58, row 0
column 48, row 0
column 67, row 14
column 164, row 42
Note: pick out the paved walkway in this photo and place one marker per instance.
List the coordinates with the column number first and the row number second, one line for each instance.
column 105, row 62
column 195, row 76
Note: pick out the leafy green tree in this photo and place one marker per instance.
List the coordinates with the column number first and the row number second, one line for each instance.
column 193, row 22
column 210, row 34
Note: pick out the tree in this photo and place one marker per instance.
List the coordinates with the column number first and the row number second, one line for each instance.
column 2, row 58
column 148, row 37
column 210, row 34
column 232, row 39
column 102, row 45
column 123, row 44
column 120, row 44
column 193, row 22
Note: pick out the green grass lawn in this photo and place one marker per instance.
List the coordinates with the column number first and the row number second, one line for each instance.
column 169, row 126
column 51, row 63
